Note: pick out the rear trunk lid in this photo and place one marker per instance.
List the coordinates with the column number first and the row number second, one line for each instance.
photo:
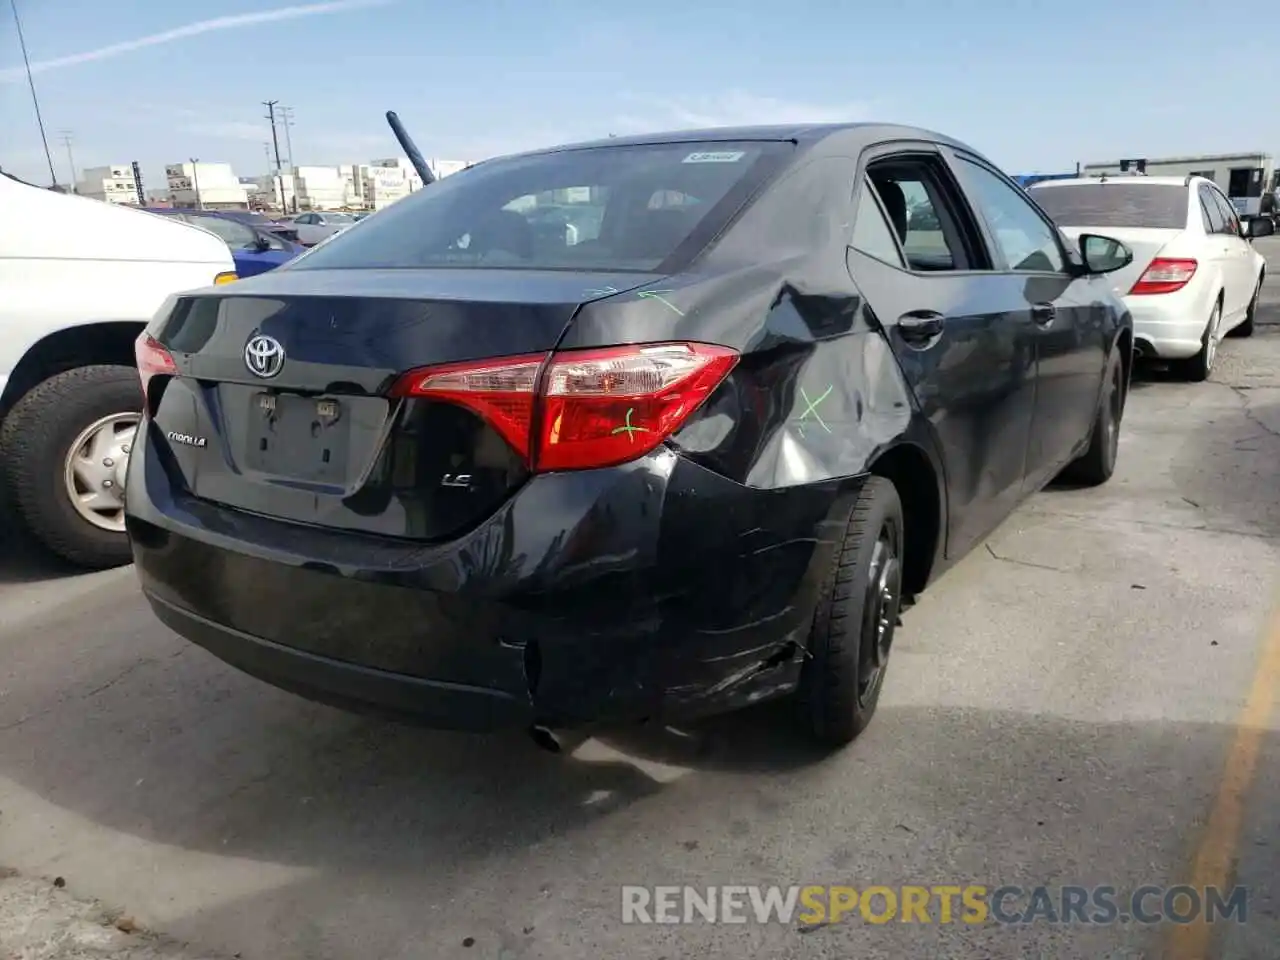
column 1146, row 244
column 311, row 436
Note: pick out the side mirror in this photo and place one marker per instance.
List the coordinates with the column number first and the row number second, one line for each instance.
column 1259, row 227
column 1103, row 254
column 261, row 244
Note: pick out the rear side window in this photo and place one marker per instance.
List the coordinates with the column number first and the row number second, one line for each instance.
column 626, row 208
column 872, row 234
column 1230, row 218
column 1213, row 211
column 1115, row 204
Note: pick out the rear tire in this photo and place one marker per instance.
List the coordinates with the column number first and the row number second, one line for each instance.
column 1096, row 465
column 1245, row 329
column 854, row 621
column 36, row 444
column 1197, row 369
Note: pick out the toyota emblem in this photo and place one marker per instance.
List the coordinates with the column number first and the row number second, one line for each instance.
column 264, row 356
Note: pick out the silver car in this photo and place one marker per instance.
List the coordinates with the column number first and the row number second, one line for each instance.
column 314, row 227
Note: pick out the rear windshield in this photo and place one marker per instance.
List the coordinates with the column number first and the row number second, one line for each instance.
column 601, row 208
column 1156, row 206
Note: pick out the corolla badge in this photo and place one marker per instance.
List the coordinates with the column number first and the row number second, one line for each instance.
column 187, row 439
column 264, row 356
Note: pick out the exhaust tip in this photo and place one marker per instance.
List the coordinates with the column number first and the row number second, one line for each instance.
column 545, row 739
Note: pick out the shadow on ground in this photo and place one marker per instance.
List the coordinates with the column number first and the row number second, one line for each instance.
column 411, row 841
column 22, row 560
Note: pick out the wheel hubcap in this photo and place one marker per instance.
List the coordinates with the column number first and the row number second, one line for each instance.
column 880, row 613
column 95, row 468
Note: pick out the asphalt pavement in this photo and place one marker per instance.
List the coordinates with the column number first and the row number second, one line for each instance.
column 1086, row 700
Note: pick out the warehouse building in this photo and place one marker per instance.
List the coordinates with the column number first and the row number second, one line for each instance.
column 113, row 184
column 207, row 186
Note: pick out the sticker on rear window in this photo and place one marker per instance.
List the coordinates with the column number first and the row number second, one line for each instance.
column 725, row 157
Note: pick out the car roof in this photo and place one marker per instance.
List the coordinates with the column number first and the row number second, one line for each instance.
column 806, row 134
column 1120, row 179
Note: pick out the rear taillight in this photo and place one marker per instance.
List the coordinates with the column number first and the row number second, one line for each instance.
column 1165, row 275
column 153, row 360
column 590, row 408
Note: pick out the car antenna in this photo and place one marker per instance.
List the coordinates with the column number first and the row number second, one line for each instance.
column 410, row 149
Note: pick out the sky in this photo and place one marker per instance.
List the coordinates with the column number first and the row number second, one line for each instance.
column 1035, row 86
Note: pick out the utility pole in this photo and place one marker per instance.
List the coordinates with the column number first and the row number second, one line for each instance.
column 286, row 118
column 26, row 62
column 287, row 114
column 275, row 142
column 195, row 182
column 65, row 136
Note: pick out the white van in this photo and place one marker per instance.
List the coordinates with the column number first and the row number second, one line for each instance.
column 79, row 279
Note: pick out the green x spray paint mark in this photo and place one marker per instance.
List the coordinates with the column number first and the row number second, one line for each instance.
column 628, row 428
column 658, row 295
column 811, row 407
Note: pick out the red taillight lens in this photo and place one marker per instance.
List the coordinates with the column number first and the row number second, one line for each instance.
column 153, row 360
column 603, row 407
column 501, row 391
column 1165, row 275
column 596, row 408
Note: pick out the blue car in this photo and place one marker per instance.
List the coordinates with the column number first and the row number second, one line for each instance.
column 254, row 250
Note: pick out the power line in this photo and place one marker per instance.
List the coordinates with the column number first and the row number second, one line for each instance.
column 26, row 62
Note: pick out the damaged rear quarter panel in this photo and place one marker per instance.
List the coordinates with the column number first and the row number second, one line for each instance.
column 758, row 499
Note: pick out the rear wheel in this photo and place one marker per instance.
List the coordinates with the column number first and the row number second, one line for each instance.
column 1198, row 368
column 1246, row 328
column 1096, row 465
column 64, row 448
column 854, row 623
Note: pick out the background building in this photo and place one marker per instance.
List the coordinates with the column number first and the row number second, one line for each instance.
column 326, row 188
column 384, row 182
column 113, row 184
column 1243, row 177
column 211, row 186
column 442, row 168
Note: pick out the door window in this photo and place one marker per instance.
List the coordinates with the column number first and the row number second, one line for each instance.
column 1024, row 239
column 872, row 234
column 912, row 194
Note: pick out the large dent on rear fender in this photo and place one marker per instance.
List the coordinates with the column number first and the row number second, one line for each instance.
column 816, row 395
column 817, row 391
column 848, row 401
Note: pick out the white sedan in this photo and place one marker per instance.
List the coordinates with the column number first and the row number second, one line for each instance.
column 314, row 227
column 1195, row 276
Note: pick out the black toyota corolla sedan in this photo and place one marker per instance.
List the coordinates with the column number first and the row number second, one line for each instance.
column 689, row 441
